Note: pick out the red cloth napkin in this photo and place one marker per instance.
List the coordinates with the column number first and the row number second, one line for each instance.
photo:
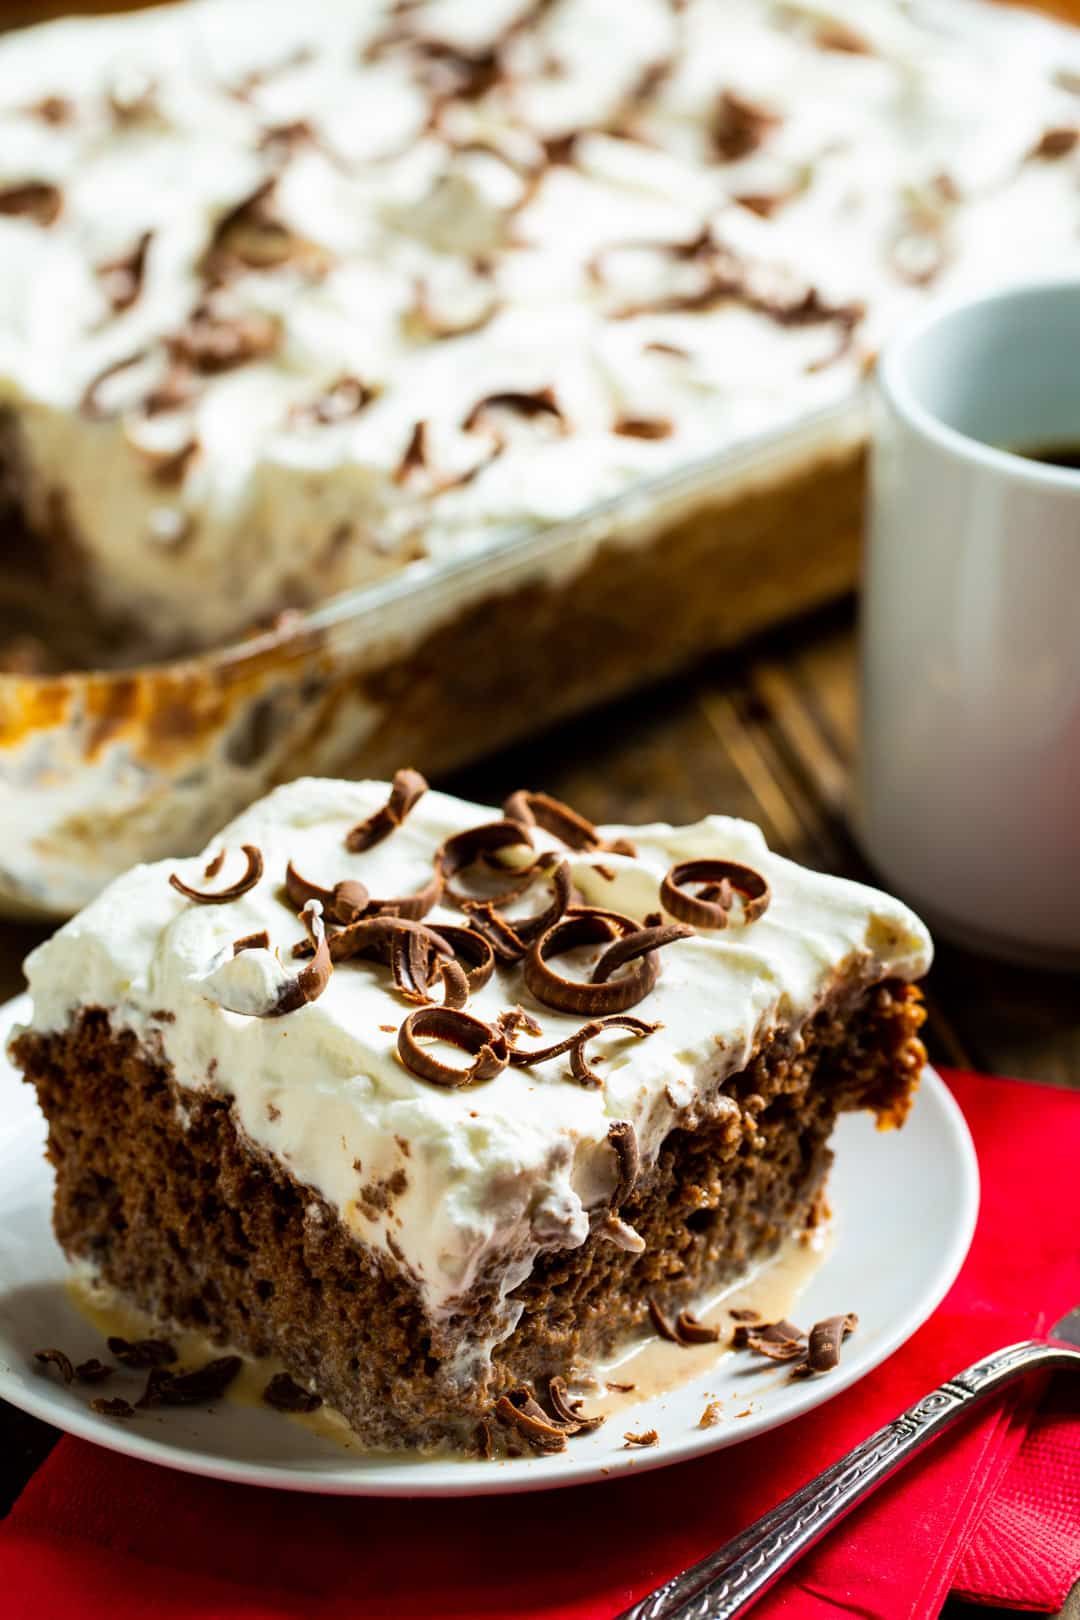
column 993, row 1511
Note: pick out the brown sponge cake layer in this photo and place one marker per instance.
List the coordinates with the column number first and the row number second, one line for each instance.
column 160, row 1190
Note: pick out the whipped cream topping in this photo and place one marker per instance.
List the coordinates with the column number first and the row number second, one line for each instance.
column 449, row 203
column 459, row 1185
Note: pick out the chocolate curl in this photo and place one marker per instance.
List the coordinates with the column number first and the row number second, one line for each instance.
column 38, row 200
column 122, row 278
column 235, row 890
column 826, row 1337
column 374, row 937
column 342, row 904
column 575, row 1044
column 511, row 938
column 624, row 1145
column 470, row 948
column 568, row 1412
column 313, row 979
column 777, row 1341
column 519, row 1411
column 590, row 925
column 480, row 844
column 632, row 947
column 412, row 959
column 460, row 1029
column 576, row 832
column 722, row 880
column 407, row 790
column 539, row 402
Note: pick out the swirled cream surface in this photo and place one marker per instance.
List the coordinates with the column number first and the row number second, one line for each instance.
column 298, row 295
column 458, row 1184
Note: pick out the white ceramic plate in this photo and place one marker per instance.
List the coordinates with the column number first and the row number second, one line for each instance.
column 904, row 1204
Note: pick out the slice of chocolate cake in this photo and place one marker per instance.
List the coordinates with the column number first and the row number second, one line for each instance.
column 436, row 1102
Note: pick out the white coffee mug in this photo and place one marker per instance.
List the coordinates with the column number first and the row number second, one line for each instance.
column 968, row 795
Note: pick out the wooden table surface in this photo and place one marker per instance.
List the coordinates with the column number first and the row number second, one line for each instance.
column 769, row 734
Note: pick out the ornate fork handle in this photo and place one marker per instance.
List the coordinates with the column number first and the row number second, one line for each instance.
column 723, row 1584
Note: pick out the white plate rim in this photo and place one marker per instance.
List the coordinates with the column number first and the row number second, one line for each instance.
column 43, row 1400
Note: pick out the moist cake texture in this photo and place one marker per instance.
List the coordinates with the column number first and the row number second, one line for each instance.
column 259, row 1125
column 287, row 308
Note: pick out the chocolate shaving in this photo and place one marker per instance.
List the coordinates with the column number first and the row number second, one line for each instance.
column 406, row 791
column 337, row 403
column 838, row 36
column 711, row 908
column 472, row 949
column 342, row 904
column 35, row 199
column 414, row 957
column 213, row 341
column 574, row 830
column 540, row 402
column 511, row 938
column 487, row 1046
column 122, row 278
column 414, row 457
column 515, row 1019
column 206, row 1383
column 739, row 126
column 633, row 947
column 648, row 1438
column 286, row 1396
column 55, row 110
column 643, row 427
column 575, row 1045
column 662, row 1323
column 568, row 1412
column 235, row 890
column 688, row 1330
column 1054, row 144
column 112, row 1406
column 373, row 936
column 481, row 844
column 711, row 1416
column 57, row 1359
column 92, row 1371
column 520, row 1411
column 252, row 942
column 826, row 1337
column 142, row 1352
column 90, row 403
column 588, row 925
column 214, row 865
column 624, row 1144
column 312, row 980
column 777, row 1341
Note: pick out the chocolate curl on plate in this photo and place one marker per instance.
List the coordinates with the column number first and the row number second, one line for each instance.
column 486, row 1045
column 480, row 845
column 826, row 1337
column 235, row 890
column 567, row 1411
column 519, row 1411
column 342, row 904
column 576, row 832
column 777, row 1341
column 407, row 790
column 312, row 980
column 722, row 880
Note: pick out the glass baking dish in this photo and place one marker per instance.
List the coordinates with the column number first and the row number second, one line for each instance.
column 432, row 667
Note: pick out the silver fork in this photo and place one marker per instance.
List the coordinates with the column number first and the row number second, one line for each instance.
column 726, row 1582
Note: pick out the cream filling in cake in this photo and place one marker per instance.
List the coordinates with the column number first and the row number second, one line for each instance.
column 468, row 202
column 454, row 1183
